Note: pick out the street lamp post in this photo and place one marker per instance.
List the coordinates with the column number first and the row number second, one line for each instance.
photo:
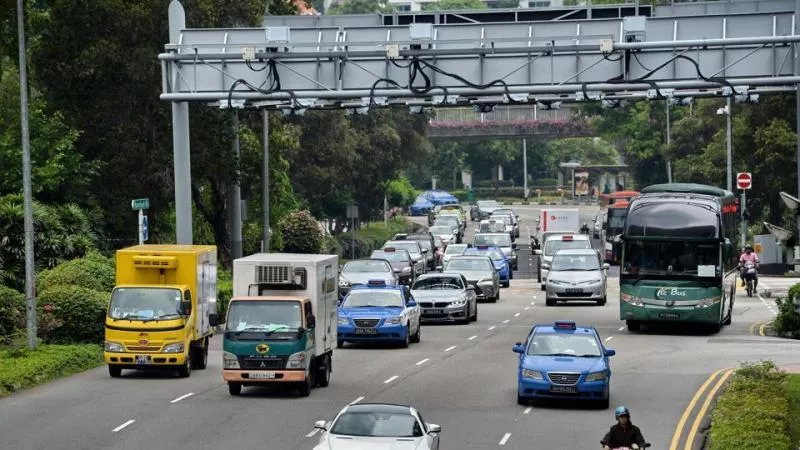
column 727, row 111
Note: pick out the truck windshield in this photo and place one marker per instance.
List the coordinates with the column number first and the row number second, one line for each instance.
column 142, row 303
column 671, row 258
column 264, row 316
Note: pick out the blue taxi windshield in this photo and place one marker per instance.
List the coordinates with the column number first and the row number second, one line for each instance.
column 564, row 344
column 373, row 298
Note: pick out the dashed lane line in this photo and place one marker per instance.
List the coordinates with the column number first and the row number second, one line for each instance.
column 516, row 315
column 526, row 308
column 123, row 425
column 621, row 329
column 504, row 439
column 450, row 348
column 527, row 410
column 506, row 321
column 419, row 363
column 492, row 328
column 609, row 338
column 471, row 338
column 390, row 379
column 357, row 400
column 182, row 397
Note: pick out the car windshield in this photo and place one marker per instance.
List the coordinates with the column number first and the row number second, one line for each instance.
column 575, row 262
column 505, row 218
column 412, row 247
column 365, row 267
column 441, row 230
column 492, row 240
column 390, row 256
column 377, row 425
column 437, row 283
column 379, row 298
column 488, row 204
column 469, row 264
column 564, row 344
column 555, row 244
column 455, row 249
column 494, row 254
column 671, row 258
column 437, row 241
column 446, row 220
column 265, row 316
column 426, row 244
column 144, row 303
column 489, row 227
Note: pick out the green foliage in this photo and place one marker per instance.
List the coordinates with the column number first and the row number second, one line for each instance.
column 359, row 7
column 787, row 322
column 793, row 389
column 301, row 233
column 372, row 237
column 48, row 362
column 400, row 192
column 92, row 272
column 12, row 312
column 753, row 412
column 72, row 314
column 61, row 233
column 444, row 5
column 331, row 246
column 224, row 292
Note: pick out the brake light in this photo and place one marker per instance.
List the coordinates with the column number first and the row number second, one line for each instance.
column 567, row 237
column 564, row 325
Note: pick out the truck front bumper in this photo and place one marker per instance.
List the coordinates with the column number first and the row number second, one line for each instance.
column 154, row 360
column 246, row 376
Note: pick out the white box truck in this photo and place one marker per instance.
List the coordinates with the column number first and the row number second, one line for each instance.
column 281, row 321
column 553, row 221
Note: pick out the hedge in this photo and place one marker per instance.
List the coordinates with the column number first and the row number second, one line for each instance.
column 22, row 369
column 224, row 292
column 12, row 312
column 372, row 237
column 753, row 412
column 92, row 272
column 300, row 232
column 787, row 322
column 72, row 314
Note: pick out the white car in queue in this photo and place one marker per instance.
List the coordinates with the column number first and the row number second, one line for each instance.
column 378, row 426
column 556, row 242
column 452, row 250
column 576, row 275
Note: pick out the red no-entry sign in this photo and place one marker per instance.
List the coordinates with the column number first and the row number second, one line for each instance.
column 744, row 180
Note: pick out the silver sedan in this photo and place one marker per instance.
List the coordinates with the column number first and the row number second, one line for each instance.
column 576, row 275
column 479, row 272
column 445, row 297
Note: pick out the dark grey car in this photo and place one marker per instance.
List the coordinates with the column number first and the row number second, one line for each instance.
column 445, row 297
column 401, row 262
column 479, row 272
column 427, row 242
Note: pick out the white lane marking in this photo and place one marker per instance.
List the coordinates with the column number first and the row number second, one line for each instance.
column 526, row 308
column 123, row 425
column 492, row 328
column 505, row 439
column 450, row 348
column 419, row 363
column 391, row 379
column 516, row 315
column 471, row 338
column 621, row 329
column 357, row 400
column 533, row 297
column 316, row 430
column 533, row 303
column 506, row 321
column 527, row 410
column 182, row 397
column 609, row 338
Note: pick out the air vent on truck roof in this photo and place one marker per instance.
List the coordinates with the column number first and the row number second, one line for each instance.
column 154, row 262
column 279, row 275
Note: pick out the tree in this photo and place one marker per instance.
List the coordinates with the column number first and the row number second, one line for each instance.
column 444, row 5
column 301, row 233
column 359, row 7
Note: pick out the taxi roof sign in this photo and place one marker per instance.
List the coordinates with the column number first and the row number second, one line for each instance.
column 566, row 237
column 482, row 247
column 564, row 325
column 389, row 249
column 376, row 283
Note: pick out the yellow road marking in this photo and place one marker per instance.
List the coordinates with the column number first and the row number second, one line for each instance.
column 703, row 410
column 676, row 437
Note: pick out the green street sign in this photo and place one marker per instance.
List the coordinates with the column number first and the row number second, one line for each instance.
column 140, row 203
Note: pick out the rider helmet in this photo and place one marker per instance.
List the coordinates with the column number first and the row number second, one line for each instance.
column 621, row 411
column 748, row 247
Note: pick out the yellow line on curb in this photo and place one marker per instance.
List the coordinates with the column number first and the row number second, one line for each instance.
column 703, row 410
column 676, row 437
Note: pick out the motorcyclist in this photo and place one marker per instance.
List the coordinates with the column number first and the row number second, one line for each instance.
column 585, row 228
column 748, row 256
column 623, row 433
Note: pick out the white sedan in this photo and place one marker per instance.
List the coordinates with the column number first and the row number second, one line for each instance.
column 377, row 426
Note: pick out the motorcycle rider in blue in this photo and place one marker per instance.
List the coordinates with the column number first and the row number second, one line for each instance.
column 623, row 433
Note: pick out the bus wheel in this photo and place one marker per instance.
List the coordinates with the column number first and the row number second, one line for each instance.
column 633, row 325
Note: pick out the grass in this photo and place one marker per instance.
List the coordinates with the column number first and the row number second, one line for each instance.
column 21, row 368
column 793, row 389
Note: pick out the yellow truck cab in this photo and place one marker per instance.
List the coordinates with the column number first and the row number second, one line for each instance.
column 162, row 311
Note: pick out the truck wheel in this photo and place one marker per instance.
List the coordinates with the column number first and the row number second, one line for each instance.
column 200, row 357
column 324, row 372
column 339, row 343
column 234, row 388
column 186, row 369
column 304, row 390
column 115, row 371
column 633, row 325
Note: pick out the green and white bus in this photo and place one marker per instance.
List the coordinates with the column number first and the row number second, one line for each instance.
column 678, row 259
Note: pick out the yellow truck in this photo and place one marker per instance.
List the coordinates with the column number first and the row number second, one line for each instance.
column 162, row 311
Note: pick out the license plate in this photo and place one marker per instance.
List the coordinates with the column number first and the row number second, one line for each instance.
column 574, row 291
column 262, row 375
column 366, row 331
column 434, row 311
column 142, row 359
column 669, row 316
column 564, row 389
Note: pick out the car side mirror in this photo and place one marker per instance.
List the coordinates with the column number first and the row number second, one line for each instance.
column 606, row 266
column 424, row 251
column 610, row 352
column 311, row 321
column 213, row 319
column 515, row 246
column 320, row 424
column 517, row 348
column 470, row 288
column 411, row 303
column 186, row 308
column 433, row 428
column 439, row 268
column 546, row 266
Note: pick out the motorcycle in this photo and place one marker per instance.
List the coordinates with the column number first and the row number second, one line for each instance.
column 749, row 277
column 585, row 229
column 646, row 445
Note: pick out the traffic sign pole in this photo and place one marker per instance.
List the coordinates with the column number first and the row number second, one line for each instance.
column 744, row 221
column 744, row 181
column 141, row 226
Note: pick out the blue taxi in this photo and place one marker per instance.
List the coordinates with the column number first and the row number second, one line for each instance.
column 501, row 264
column 378, row 312
column 563, row 360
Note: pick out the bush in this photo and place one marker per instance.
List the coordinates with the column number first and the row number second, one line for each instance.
column 25, row 369
column 94, row 272
column 753, row 412
column 787, row 322
column 72, row 314
column 330, row 246
column 372, row 237
column 224, row 292
column 400, row 192
column 301, row 233
column 12, row 312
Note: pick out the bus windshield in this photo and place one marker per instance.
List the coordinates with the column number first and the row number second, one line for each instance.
column 616, row 221
column 700, row 259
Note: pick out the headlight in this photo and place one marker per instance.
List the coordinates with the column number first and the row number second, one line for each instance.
column 406, row 269
column 590, row 281
column 114, row 347
column 344, row 283
column 486, row 281
column 552, row 281
column 631, row 299
column 229, row 361
column 393, row 320
column 528, row 373
column 296, row 361
column 173, row 348
column 707, row 302
column 596, row 376
column 342, row 321
column 459, row 302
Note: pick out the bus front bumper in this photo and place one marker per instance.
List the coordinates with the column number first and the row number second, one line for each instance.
column 657, row 313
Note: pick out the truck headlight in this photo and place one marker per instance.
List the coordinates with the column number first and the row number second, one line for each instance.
column 114, row 347
column 596, row 376
column 173, row 348
column 229, row 361
column 296, row 361
column 528, row 373
column 342, row 321
column 393, row 320
column 707, row 302
column 344, row 283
